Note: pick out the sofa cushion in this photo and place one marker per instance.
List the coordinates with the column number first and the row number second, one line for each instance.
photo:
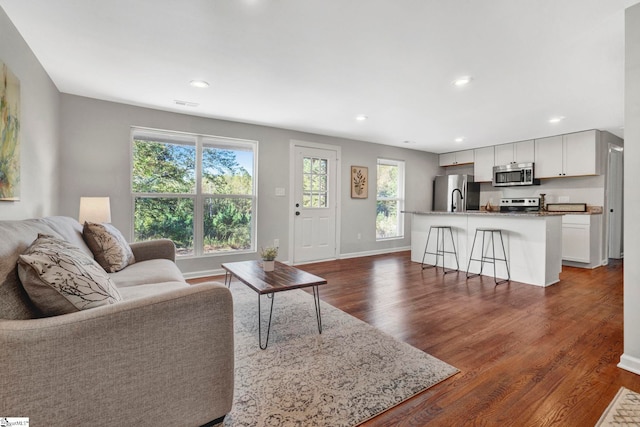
column 69, row 229
column 60, row 278
column 150, row 289
column 151, row 271
column 108, row 246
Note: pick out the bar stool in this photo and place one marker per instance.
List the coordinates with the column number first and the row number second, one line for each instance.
column 489, row 259
column 440, row 248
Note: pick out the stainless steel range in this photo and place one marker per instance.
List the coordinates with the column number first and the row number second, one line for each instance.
column 527, row 204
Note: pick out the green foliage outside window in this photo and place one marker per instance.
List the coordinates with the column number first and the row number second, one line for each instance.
column 227, row 224
column 169, row 170
column 388, row 200
column 160, row 167
column 158, row 218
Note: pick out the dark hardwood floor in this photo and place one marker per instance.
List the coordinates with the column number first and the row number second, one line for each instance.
column 528, row 356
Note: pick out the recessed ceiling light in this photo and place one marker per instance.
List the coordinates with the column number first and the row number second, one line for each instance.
column 408, row 142
column 462, row 81
column 361, row 117
column 556, row 119
column 199, row 83
column 460, row 139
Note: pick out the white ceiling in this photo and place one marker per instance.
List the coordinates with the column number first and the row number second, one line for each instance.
column 314, row 65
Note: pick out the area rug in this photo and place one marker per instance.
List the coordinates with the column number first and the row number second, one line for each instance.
column 624, row 410
column 342, row 377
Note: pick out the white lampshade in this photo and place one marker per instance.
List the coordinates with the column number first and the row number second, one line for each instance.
column 94, row 209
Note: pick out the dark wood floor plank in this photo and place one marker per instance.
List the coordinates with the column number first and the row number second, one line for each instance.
column 529, row 356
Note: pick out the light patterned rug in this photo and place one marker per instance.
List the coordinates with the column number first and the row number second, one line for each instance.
column 624, row 410
column 342, row 377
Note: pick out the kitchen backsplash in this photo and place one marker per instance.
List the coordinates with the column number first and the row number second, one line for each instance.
column 589, row 190
column 584, row 189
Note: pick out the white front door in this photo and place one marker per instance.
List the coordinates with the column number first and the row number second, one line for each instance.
column 315, row 174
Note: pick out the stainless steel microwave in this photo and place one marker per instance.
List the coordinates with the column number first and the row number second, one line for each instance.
column 513, row 174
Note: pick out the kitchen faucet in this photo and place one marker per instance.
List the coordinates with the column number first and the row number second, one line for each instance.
column 453, row 204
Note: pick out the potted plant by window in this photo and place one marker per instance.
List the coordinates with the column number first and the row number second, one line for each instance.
column 268, row 256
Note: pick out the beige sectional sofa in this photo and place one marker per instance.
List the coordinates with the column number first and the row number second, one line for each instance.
column 162, row 355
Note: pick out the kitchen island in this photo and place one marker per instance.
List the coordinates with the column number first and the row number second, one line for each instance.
column 532, row 240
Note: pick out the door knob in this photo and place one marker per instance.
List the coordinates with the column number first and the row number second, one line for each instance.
column 297, row 213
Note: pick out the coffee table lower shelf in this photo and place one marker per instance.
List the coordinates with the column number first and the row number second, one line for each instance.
column 283, row 278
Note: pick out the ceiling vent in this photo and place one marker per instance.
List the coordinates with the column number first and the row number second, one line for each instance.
column 185, row 103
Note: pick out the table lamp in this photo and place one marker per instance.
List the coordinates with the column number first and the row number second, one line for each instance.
column 94, row 209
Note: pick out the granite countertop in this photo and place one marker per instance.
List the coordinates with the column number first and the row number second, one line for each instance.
column 591, row 210
column 488, row 213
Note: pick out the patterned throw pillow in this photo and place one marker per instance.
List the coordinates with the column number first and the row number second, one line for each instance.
column 60, row 278
column 108, row 245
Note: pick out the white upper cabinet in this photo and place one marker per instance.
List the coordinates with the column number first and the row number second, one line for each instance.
column 456, row 158
column 515, row 152
column 524, row 151
column 447, row 159
column 574, row 154
column 504, row 154
column 483, row 164
column 549, row 157
column 581, row 154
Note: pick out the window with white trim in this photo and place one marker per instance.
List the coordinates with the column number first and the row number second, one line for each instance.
column 197, row 190
column 389, row 199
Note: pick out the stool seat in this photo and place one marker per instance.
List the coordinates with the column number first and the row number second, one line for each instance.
column 440, row 248
column 489, row 259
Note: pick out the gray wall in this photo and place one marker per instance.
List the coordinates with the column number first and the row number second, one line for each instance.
column 39, row 128
column 96, row 162
column 630, row 360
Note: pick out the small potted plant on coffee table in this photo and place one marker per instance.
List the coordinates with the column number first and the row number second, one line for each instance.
column 268, row 256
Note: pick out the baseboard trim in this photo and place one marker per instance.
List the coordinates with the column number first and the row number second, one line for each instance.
column 630, row 363
column 221, row 271
column 374, row 252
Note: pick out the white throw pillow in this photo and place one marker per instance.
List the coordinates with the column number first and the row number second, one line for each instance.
column 60, row 278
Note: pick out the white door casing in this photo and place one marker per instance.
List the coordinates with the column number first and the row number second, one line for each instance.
column 614, row 202
column 314, row 203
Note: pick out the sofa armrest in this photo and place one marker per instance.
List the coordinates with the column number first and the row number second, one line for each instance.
column 154, row 249
column 167, row 359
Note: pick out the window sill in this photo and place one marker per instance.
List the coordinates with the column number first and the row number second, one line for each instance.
column 385, row 239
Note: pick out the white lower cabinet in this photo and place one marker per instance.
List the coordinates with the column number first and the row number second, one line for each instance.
column 581, row 240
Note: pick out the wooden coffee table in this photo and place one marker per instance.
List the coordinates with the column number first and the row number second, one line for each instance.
column 283, row 278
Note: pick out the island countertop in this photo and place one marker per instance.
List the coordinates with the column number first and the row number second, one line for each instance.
column 489, row 213
column 532, row 241
column 498, row 213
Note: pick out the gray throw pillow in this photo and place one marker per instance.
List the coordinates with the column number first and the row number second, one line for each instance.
column 108, row 245
column 59, row 278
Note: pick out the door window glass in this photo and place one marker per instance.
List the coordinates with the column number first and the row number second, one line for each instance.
column 314, row 182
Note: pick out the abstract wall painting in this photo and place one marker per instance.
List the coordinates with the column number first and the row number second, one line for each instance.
column 9, row 135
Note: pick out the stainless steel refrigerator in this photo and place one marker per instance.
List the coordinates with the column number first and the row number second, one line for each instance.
column 455, row 193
